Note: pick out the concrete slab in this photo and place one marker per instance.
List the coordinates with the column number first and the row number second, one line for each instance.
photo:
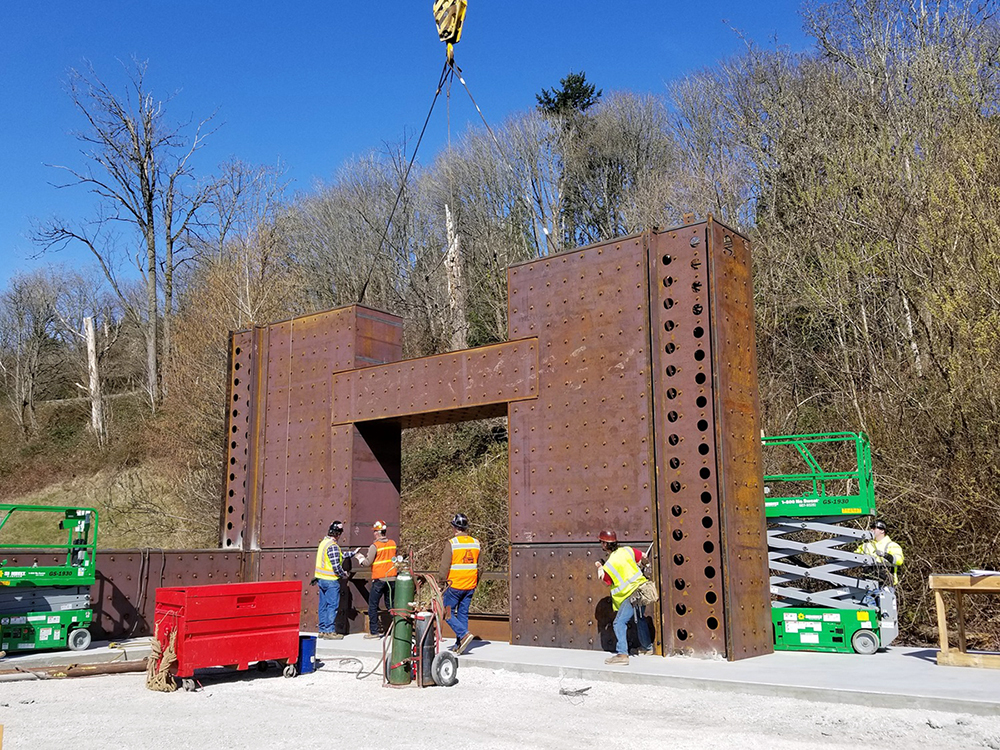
column 896, row 678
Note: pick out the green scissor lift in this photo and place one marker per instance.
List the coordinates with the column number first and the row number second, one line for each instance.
column 818, row 603
column 47, row 607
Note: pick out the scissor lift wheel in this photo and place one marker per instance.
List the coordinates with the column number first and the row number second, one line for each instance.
column 865, row 642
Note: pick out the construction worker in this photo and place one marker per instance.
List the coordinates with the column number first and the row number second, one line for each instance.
column 621, row 572
column 379, row 556
column 460, row 569
column 883, row 549
column 329, row 572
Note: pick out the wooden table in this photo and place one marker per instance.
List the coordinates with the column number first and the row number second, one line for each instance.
column 961, row 585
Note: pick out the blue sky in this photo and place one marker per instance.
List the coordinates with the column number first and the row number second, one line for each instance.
column 312, row 83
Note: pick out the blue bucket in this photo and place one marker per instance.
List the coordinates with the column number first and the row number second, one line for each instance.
column 307, row 654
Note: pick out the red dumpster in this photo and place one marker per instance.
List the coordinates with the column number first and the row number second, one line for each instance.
column 230, row 625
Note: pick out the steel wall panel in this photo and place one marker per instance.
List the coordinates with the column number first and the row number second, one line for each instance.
column 689, row 532
column 557, row 598
column 632, row 398
column 375, row 481
column 299, row 491
column 302, row 353
column 429, row 387
column 292, row 565
column 745, row 567
column 378, row 337
column 581, row 453
column 240, row 398
column 712, row 542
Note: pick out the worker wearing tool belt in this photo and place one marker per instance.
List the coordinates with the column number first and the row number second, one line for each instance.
column 883, row 549
column 621, row 572
column 329, row 571
column 380, row 556
column 460, row 568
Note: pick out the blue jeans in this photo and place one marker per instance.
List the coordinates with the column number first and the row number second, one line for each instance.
column 625, row 613
column 329, row 600
column 381, row 589
column 458, row 600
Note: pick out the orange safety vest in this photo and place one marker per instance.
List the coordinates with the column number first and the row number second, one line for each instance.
column 464, row 573
column 382, row 565
column 324, row 568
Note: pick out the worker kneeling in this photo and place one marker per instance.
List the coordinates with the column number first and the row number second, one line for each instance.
column 621, row 572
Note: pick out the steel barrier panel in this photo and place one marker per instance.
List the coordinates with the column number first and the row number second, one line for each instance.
column 710, row 508
column 745, row 574
column 581, row 453
column 240, row 397
column 124, row 613
column 292, row 565
column 689, row 532
column 283, row 434
column 478, row 383
column 558, row 599
column 302, row 354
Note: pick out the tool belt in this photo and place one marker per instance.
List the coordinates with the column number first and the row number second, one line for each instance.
column 647, row 593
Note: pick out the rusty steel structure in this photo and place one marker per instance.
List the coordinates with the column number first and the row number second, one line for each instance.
column 629, row 384
column 630, row 389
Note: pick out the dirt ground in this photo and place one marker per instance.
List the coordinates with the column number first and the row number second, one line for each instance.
column 486, row 709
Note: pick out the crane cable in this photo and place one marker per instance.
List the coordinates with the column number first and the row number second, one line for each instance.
column 446, row 73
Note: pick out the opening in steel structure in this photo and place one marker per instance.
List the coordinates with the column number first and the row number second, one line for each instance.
column 629, row 383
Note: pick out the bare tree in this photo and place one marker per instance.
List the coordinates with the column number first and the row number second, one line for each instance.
column 238, row 242
column 28, row 330
column 138, row 166
column 90, row 323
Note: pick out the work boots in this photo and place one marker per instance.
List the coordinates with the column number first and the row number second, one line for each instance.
column 617, row 659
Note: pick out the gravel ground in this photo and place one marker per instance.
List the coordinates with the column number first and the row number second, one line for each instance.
column 486, row 709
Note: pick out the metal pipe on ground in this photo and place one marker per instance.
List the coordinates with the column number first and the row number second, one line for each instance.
column 72, row 670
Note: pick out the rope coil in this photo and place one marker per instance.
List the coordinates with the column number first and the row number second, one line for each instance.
column 160, row 662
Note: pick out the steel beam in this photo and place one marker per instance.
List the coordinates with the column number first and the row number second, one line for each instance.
column 453, row 387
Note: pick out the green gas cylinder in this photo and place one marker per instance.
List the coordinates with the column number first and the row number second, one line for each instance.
column 402, row 630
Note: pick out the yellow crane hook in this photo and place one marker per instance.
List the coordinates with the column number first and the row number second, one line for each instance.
column 449, row 15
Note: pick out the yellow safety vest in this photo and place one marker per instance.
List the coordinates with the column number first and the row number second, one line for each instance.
column 887, row 547
column 464, row 572
column 324, row 568
column 382, row 565
column 624, row 574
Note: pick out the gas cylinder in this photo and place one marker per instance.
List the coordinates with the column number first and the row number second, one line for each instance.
column 402, row 630
column 425, row 643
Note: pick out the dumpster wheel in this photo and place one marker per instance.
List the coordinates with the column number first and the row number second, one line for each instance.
column 289, row 670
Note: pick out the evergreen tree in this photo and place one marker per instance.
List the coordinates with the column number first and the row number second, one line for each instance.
column 575, row 97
